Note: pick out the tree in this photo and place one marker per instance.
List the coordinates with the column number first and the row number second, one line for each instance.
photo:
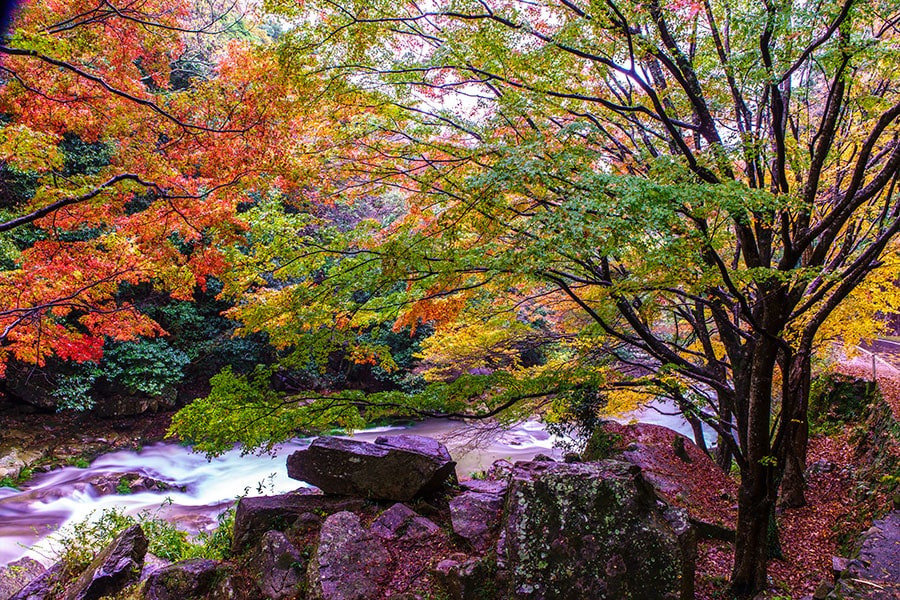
column 690, row 188
column 189, row 117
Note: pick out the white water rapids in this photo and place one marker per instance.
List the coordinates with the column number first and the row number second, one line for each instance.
column 52, row 500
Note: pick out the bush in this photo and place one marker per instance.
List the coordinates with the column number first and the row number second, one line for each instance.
column 146, row 365
column 837, row 399
column 76, row 545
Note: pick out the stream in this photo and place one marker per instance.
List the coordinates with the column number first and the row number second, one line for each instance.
column 202, row 488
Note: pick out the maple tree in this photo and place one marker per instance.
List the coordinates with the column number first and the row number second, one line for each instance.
column 689, row 195
column 190, row 116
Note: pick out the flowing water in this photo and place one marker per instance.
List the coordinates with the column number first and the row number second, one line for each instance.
column 51, row 500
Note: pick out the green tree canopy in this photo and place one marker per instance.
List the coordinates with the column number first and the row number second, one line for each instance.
column 678, row 195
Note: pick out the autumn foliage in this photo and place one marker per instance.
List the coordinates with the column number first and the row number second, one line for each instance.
column 181, row 152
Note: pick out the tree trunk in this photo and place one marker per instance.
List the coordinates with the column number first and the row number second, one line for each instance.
column 758, row 491
column 793, row 484
column 723, row 449
column 697, row 428
column 752, row 535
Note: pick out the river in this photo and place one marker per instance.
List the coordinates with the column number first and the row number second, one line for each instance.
column 28, row 517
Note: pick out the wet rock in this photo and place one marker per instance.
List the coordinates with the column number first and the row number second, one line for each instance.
column 117, row 566
column 277, row 567
column 350, row 563
column 476, row 516
column 152, row 564
column 255, row 516
column 232, row 586
column 875, row 573
column 17, row 575
column 497, row 487
column 187, row 579
column 589, row 530
column 128, row 483
column 500, row 470
column 402, row 522
column 42, row 587
column 468, row 579
column 118, row 403
column 13, row 460
column 395, row 468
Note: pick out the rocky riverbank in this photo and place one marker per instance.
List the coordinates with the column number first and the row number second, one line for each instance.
column 389, row 520
column 32, row 441
column 459, row 527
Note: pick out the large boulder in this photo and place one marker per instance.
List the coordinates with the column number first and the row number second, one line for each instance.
column 277, row 567
column 350, row 563
column 18, row 574
column 476, row 516
column 590, row 530
column 255, row 516
column 400, row 522
column 393, row 468
column 682, row 474
column 42, row 587
column 184, row 580
column 465, row 579
column 117, row 566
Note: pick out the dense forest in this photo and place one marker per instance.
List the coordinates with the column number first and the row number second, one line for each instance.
column 285, row 217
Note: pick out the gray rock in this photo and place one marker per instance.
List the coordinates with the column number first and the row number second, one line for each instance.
column 500, row 470
column 469, row 579
column 277, row 567
column 402, row 522
column 18, row 574
column 117, row 566
column 476, row 516
column 255, row 516
column 497, row 487
column 13, row 460
column 43, row 586
column 590, row 530
column 231, row 586
column 153, row 563
column 118, row 403
column 393, row 468
column 820, row 466
column 350, row 563
column 187, row 579
column 875, row 573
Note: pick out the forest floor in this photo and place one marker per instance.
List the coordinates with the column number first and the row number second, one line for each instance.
column 810, row 535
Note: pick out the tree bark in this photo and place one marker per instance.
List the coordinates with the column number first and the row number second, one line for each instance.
column 793, row 484
column 723, row 449
column 758, row 491
column 697, row 428
column 755, row 503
